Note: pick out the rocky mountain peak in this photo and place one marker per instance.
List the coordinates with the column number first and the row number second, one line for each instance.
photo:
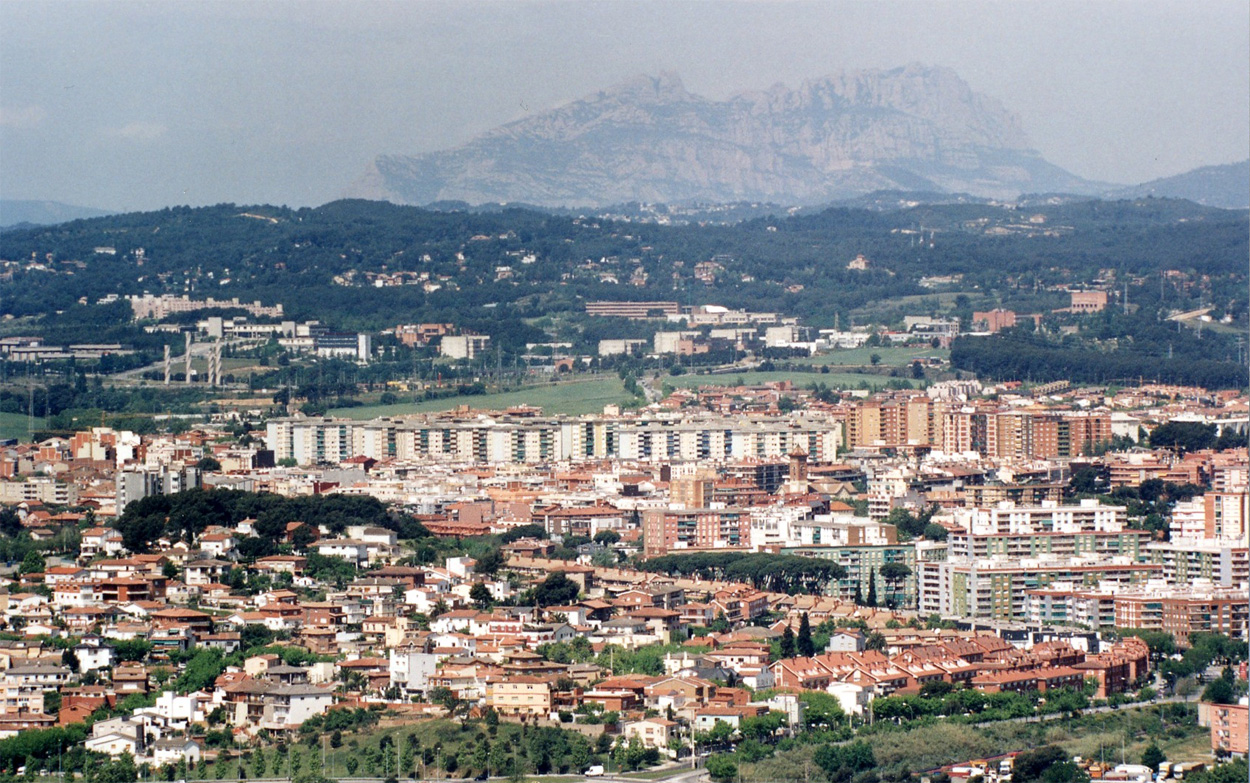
column 647, row 138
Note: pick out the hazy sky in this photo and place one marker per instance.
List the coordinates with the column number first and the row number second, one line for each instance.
column 129, row 105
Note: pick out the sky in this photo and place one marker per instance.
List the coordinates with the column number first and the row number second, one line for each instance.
column 140, row 105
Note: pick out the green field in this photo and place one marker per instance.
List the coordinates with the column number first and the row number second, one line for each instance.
column 862, row 357
column 1105, row 735
column 407, row 739
column 834, row 380
column 14, row 425
column 571, row 398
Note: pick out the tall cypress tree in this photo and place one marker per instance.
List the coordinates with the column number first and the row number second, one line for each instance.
column 872, row 588
column 787, row 643
column 806, row 647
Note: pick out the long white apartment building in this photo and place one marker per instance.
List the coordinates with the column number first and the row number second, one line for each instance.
column 310, row 441
column 1009, row 518
column 794, row 526
column 998, row 587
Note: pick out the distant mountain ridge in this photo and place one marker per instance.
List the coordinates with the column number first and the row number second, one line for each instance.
column 1226, row 186
column 648, row 139
column 19, row 212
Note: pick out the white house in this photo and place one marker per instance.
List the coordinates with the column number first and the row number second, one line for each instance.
column 853, row 698
column 288, row 706
column 93, row 654
column 171, row 751
column 113, row 744
column 349, row 549
column 847, row 641
column 411, row 669
column 467, row 620
column 178, row 710
column 100, row 541
column 461, row 567
column 218, row 545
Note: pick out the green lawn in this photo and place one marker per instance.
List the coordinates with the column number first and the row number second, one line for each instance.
column 890, row 356
column 834, row 380
column 14, row 425
column 452, row 738
column 571, row 398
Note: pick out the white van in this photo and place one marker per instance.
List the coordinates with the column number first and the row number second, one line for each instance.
column 595, row 771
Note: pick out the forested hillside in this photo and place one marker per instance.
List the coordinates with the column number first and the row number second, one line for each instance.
column 497, row 272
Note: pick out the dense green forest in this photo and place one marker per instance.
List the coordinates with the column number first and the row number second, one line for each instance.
column 1168, row 255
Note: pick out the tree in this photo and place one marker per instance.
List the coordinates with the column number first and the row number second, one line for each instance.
column 840, row 761
column 556, row 590
column 10, row 522
column 258, row 763
column 1032, row 764
column 1152, row 757
column 303, row 537
column 871, row 600
column 804, row 644
column 480, row 595
column 208, row 465
column 490, row 562
column 935, row 532
column 787, row 643
column 33, row 563
column 1184, row 436
column 607, row 537
column 1219, row 691
column 893, row 573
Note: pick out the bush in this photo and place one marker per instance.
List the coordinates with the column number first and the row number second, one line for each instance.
column 722, row 767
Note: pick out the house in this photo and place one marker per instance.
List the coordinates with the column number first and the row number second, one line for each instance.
column 288, row 706
column 190, row 619
column 290, row 564
column 130, row 679
column 705, row 719
column 411, row 669
column 92, row 654
column 114, row 744
column 178, row 711
column 171, row 751
column 116, row 736
column 100, row 541
column 520, row 695
column 847, row 641
column 652, row 733
column 22, row 687
column 12, row 725
column 205, row 572
column 350, row 549
column 218, row 545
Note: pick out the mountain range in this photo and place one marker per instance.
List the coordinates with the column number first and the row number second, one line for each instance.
column 1226, row 186
column 915, row 128
column 15, row 213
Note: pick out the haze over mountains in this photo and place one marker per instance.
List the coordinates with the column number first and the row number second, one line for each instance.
column 1226, row 186
column 649, row 139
